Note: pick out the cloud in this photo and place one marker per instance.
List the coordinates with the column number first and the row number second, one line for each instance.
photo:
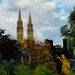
column 39, row 36
column 48, row 6
column 23, row 3
column 66, row 5
column 63, row 17
column 47, row 17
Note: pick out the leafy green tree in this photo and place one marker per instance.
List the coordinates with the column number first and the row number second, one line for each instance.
column 68, row 31
column 65, row 31
column 72, row 19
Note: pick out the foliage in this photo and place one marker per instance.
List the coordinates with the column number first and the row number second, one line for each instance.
column 32, row 65
column 70, row 42
column 58, row 64
column 39, row 53
column 8, row 47
column 65, row 65
column 71, row 73
column 42, row 70
column 65, row 31
column 72, row 18
column 2, row 71
column 44, row 56
column 47, row 57
column 65, row 68
column 9, row 67
column 73, row 68
column 68, row 30
column 23, row 70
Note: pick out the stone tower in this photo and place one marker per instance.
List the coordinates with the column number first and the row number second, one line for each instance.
column 19, row 28
column 30, row 29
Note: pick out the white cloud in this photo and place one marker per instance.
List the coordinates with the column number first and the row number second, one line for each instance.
column 63, row 18
column 61, row 15
column 48, row 6
column 8, row 22
column 23, row 3
column 38, row 35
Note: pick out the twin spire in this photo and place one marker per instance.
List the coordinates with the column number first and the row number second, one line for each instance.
column 20, row 28
column 20, row 19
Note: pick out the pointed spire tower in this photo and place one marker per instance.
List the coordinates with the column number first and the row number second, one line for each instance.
column 19, row 28
column 30, row 28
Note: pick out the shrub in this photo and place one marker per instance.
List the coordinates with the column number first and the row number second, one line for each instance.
column 9, row 67
column 2, row 71
column 23, row 70
column 65, row 66
column 42, row 70
column 71, row 73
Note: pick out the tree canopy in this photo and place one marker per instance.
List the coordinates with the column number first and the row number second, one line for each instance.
column 68, row 30
column 8, row 47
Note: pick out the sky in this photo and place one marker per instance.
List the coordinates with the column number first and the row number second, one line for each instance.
column 48, row 16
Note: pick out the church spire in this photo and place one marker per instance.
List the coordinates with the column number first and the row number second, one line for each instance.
column 30, row 28
column 19, row 28
column 19, row 16
column 30, row 20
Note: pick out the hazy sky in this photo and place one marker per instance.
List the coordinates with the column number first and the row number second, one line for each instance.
column 47, row 17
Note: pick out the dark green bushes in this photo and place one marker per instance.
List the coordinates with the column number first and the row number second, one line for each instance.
column 9, row 68
column 23, row 70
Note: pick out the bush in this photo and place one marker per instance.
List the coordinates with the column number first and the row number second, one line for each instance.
column 71, row 73
column 2, row 71
column 23, row 70
column 42, row 70
column 9, row 67
column 65, row 65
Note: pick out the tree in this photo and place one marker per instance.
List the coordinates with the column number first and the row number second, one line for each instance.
column 45, row 57
column 65, row 31
column 72, row 19
column 8, row 47
column 68, row 30
column 65, row 65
